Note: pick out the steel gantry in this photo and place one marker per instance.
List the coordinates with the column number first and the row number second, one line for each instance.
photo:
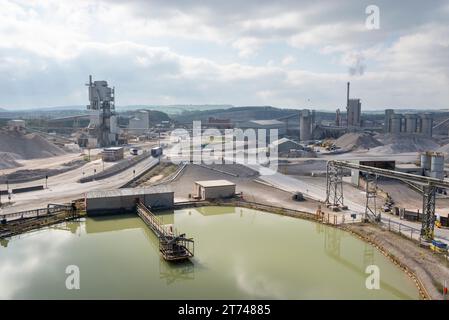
column 334, row 186
column 428, row 185
column 428, row 218
column 371, row 198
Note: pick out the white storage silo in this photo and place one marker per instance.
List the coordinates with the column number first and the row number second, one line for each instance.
column 305, row 125
column 396, row 123
column 411, row 121
column 425, row 160
column 426, row 124
column 437, row 165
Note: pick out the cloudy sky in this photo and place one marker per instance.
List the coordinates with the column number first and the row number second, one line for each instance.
column 282, row 53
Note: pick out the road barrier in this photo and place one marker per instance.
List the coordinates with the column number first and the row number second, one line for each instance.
column 27, row 189
column 117, row 168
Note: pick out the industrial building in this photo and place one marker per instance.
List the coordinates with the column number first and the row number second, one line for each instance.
column 381, row 164
column 125, row 200
column 354, row 113
column 213, row 189
column 338, row 118
column 113, row 154
column 353, row 110
column 410, row 123
column 219, row 123
column 264, row 124
column 16, row 125
column 285, row 145
column 103, row 130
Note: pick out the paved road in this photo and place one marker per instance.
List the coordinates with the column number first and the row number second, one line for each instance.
column 65, row 187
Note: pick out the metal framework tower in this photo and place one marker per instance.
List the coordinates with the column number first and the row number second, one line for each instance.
column 371, row 198
column 428, row 219
column 334, row 186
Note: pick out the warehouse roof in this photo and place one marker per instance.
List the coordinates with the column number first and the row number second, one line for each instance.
column 215, row 183
column 285, row 140
column 267, row 122
column 128, row 192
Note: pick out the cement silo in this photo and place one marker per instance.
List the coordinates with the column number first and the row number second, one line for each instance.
column 411, row 123
column 425, row 160
column 305, row 125
column 387, row 125
column 437, row 165
column 426, row 124
column 396, row 123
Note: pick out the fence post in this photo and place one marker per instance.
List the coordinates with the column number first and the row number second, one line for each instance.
column 399, row 228
column 389, row 224
column 411, row 234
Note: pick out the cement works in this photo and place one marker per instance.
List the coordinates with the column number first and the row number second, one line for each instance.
column 393, row 181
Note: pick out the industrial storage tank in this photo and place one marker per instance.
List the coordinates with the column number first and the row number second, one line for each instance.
column 437, row 165
column 426, row 124
column 411, row 121
column 396, row 120
column 425, row 160
column 388, row 114
column 305, row 125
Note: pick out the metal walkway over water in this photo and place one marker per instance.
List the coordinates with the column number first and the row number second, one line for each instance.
column 172, row 245
column 19, row 222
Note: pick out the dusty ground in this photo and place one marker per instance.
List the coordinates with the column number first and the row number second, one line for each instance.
column 430, row 268
column 252, row 190
column 406, row 197
column 163, row 170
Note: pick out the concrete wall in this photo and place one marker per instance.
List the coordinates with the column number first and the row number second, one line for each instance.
column 126, row 203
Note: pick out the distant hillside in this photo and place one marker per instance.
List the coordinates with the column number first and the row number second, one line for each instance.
column 173, row 109
column 235, row 114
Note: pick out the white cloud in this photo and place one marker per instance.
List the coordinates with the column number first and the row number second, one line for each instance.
column 287, row 60
column 247, row 46
column 192, row 52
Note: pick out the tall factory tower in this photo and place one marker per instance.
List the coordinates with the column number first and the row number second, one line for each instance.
column 353, row 110
column 103, row 122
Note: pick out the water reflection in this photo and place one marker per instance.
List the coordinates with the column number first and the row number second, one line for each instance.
column 4, row 242
column 333, row 248
column 241, row 255
column 176, row 271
